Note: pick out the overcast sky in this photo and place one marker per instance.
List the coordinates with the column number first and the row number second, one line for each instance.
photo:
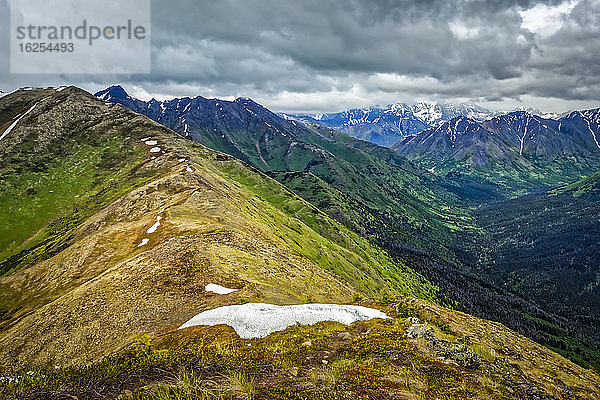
column 329, row 55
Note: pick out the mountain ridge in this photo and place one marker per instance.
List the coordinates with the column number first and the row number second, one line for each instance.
column 370, row 174
column 166, row 217
column 98, row 315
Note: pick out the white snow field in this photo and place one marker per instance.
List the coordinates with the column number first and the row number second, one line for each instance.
column 257, row 320
column 218, row 289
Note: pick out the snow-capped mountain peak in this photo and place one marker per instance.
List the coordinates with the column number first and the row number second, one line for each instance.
column 534, row 111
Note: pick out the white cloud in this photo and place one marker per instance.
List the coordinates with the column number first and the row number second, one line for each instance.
column 546, row 20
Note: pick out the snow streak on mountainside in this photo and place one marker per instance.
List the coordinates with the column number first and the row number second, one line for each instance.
column 523, row 132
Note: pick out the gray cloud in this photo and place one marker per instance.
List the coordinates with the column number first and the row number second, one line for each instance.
column 324, row 55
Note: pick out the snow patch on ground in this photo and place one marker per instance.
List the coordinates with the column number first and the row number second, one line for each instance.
column 188, row 169
column 148, row 138
column 144, row 242
column 218, row 289
column 255, row 320
column 9, row 379
column 151, row 142
column 154, row 227
column 155, row 150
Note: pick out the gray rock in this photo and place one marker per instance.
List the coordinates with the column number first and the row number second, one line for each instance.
column 418, row 330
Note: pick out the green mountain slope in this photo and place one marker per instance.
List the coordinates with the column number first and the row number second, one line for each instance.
column 435, row 353
column 377, row 193
column 54, row 175
column 389, row 199
column 93, row 293
column 510, row 154
column 587, row 186
column 89, row 274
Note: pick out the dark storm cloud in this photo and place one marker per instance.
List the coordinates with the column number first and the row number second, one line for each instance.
column 358, row 36
column 329, row 54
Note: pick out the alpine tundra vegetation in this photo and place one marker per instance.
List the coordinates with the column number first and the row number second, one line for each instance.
column 137, row 263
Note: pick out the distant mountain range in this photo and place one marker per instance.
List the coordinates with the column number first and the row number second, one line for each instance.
column 506, row 153
column 387, row 125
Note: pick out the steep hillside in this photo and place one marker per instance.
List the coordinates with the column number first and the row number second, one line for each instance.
column 130, row 222
column 584, row 126
column 544, row 247
column 586, row 186
column 92, row 295
column 459, row 141
column 58, row 173
column 373, row 191
column 534, row 136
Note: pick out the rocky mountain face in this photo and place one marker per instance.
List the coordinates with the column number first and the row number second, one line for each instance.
column 385, row 126
column 461, row 138
column 376, row 125
column 241, row 128
column 436, row 114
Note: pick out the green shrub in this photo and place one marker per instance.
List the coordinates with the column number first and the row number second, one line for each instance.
column 385, row 297
column 405, row 311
